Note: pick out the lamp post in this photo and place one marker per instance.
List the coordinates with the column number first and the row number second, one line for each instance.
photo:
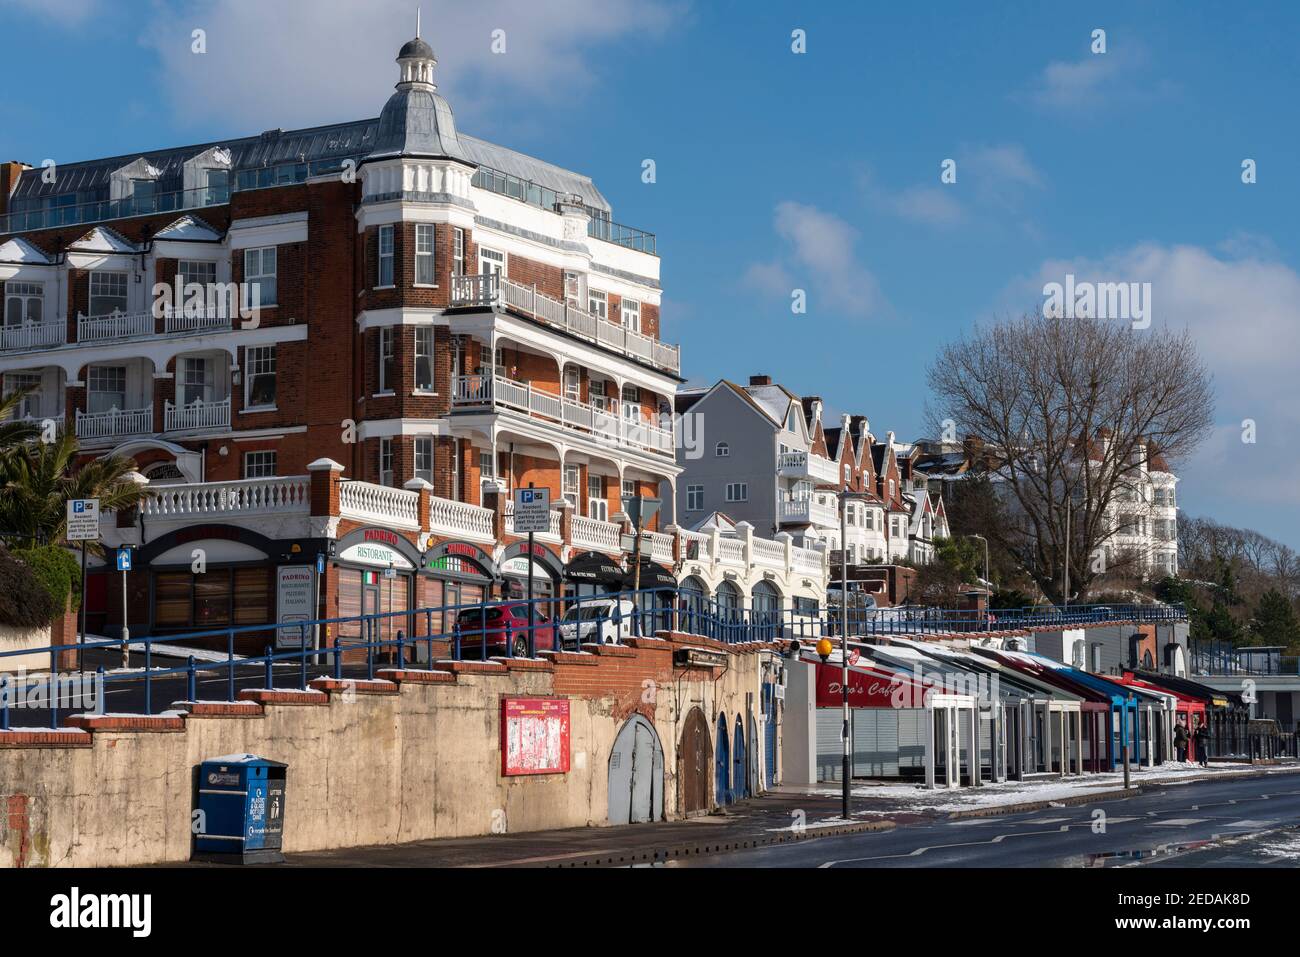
column 846, row 496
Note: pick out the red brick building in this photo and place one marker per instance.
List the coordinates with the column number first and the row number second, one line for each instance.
column 383, row 327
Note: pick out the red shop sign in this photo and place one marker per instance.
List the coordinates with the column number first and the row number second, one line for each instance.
column 867, row 689
column 534, row 736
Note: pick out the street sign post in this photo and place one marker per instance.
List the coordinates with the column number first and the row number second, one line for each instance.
column 124, row 566
column 83, row 520
column 639, row 511
column 82, row 526
column 532, row 510
column 532, row 515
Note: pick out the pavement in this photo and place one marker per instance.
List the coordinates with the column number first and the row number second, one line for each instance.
column 1030, row 824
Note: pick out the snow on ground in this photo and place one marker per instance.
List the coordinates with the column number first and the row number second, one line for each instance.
column 912, row 798
column 1285, row 846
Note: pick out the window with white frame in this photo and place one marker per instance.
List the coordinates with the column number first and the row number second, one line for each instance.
column 629, row 488
column 24, row 302
column 573, row 283
column 596, row 390
column 106, row 388
column 384, row 360
column 259, row 464
column 259, row 377
column 570, row 486
column 597, row 505
column 458, row 252
column 190, row 271
column 386, row 462
column 491, row 262
column 424, row 459
column 631, row 402
column 424, row 358
column 572, row 383
column 721, row 450
column 424, row 275
column 486, row 466
column 737, row 491
column 196, row 380
column 107, row 293
column 694, row 498
column 385, row 274
column 598, row 303
column 631, row 315
column 260, row 276
column 29, row 407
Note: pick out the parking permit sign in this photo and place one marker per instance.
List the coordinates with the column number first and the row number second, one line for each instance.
column 532, row 510
column 83, row 520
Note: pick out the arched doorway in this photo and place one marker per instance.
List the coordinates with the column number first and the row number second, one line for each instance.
column 693, row 598
column 636, row 774
column 739, row 772
column 722, row 764
column 727, row 602
column 753, row 756
column 693, row 764
column 766, row 603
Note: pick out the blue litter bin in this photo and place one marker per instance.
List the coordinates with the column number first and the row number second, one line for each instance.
column 241, row 797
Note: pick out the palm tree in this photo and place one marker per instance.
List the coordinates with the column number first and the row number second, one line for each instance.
column 14, row 432
column 38, row 478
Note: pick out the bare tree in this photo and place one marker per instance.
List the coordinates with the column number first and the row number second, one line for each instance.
column 1067, row 411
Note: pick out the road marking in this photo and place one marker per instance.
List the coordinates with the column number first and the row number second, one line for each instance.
column 1179, row 822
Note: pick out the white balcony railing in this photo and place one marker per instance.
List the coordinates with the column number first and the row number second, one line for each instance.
column 103, row 425
column 481, row 391
column 447, row 517
column 658, row 545
column 493, row 290
column 196, row 415
column 768, row 553
column 593, row 533
column 801, row 464
column 201, row 320
column 252, row 496
column 381, row 504
column 806, row 510
column 119, row 325
column 32, row 335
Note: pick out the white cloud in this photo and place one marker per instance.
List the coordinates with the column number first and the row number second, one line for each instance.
column 1072, row 84
column 1244, row 313
column 295, row 63
column 989, row 177
column 820, row 258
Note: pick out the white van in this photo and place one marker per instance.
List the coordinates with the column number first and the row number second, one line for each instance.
column 593, row 620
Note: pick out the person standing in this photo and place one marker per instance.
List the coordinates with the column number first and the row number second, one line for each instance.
column 1202, row 741
column 1180, row 741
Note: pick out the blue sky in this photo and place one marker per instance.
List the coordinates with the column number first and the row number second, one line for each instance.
column 819, row 170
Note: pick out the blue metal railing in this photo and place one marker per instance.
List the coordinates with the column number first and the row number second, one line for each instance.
column 500, row 629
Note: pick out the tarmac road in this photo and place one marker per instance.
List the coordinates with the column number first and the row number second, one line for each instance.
column 1169, row 826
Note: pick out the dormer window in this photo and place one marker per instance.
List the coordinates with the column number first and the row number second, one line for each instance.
column 107, row 293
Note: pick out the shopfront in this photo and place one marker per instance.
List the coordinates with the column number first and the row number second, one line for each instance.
column 375, row 569
column 209, row 578
column 547, row 571
column 591, row 573
column 455, row 575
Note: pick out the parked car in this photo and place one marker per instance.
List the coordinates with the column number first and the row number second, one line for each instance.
column 494, row 620
column 604, row 621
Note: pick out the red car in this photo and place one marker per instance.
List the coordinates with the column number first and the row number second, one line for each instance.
column 474, row 622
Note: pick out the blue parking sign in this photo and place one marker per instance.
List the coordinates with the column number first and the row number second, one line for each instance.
column 124, row 559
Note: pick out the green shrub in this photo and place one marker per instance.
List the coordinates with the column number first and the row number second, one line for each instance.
column 25, row 600
column 57, row 569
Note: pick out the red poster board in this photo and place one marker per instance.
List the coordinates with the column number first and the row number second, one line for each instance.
column 534, row 736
